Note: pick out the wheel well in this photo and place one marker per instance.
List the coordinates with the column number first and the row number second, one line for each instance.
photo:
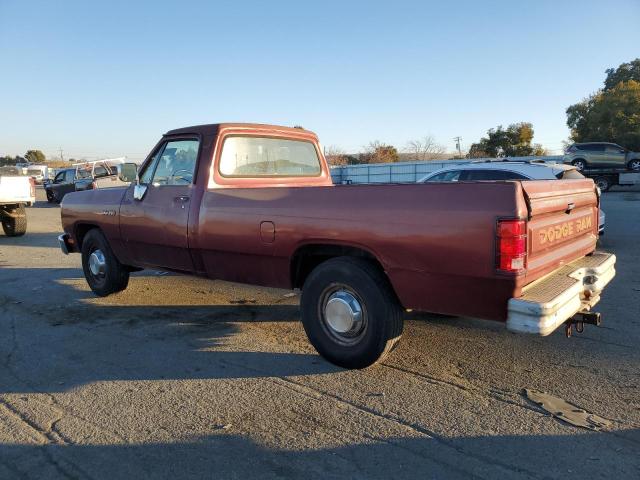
column 308, row 257
column 81, row 231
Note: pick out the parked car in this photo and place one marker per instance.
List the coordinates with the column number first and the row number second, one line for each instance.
column 602, row 155
column 83, row 176
column 255, row 204
column 508, row 170
column 16, row 192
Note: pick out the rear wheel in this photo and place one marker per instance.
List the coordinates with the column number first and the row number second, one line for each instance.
column 350, row 312
column 603, row 183
column 15, row 224
column 102, row 270
column 634, row 165
column 579, row 164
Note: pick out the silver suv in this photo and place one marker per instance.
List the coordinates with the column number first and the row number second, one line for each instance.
column 601, row 155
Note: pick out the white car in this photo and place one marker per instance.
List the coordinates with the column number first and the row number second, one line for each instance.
column 507, row 170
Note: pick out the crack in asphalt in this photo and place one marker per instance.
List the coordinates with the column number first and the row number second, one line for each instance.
column 417, row 428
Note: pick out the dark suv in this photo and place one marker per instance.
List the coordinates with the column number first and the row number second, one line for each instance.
column 602, row 155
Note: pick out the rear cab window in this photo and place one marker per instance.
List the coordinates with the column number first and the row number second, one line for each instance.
column 244, row 156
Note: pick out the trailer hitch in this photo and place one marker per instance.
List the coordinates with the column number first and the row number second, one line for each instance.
column 579, row 319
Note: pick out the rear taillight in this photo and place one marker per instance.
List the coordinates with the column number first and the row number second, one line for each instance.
column 32, row 182
column 511, row 245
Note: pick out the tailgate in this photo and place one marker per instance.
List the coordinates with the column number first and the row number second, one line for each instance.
column 15, row 190
column 563, row 223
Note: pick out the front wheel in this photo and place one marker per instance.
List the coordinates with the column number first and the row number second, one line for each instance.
column 350, row 313
column 102, row 270
column 579, row 164
column 634, row 165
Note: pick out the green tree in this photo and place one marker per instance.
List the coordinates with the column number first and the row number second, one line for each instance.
column 35, row 156
column 513, row 141
column 610, row 115
column 8, row 161
column 624, row 73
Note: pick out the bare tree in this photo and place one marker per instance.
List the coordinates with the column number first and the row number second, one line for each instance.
column 425, row 148
column 335, row 155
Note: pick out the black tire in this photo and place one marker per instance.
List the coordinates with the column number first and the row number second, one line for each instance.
column 580, row 164
column 634, row 165
column 603, row 183
column 382, row 315
column 115, row 276
column 15, row 226
column 49, row 196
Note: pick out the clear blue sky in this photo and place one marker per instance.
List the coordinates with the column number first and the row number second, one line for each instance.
column 108, row 78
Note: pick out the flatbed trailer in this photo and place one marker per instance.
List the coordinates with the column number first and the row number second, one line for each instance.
column 605, row 178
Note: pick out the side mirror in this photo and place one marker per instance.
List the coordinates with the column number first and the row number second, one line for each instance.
column 128, row 172
column 139, row 191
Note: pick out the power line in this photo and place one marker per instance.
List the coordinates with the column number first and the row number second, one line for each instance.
column 458, row 141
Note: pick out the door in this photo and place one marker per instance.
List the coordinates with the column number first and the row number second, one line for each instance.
column 154, row 227
column 64, row 183
column 614, row 156
column 596, row 155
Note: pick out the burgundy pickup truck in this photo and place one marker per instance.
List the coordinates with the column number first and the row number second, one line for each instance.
column 255, row 204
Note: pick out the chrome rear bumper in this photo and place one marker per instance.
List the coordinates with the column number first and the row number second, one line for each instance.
column 550, row 301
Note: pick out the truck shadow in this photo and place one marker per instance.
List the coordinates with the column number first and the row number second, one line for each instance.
column 229, row 455
column 32, row 239
column 56, row 335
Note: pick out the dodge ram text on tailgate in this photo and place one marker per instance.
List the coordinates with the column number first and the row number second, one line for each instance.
column 255, row 204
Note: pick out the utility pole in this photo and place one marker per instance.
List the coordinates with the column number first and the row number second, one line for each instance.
column 61, row 156
column 458, row 142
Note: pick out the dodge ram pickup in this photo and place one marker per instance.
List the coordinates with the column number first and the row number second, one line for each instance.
column 255, row 204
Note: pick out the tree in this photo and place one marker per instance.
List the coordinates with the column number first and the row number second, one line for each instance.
column 624, row 73
column 514, row 141
column 35, row 156
column 610, row 115
column 425, row 148
column 336, row 156
column 8, row 161
column 378, row 152
column 613, row 113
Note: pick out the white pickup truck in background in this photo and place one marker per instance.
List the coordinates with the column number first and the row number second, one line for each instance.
column 16, row 192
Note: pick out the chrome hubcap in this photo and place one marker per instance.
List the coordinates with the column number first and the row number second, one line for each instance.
column 343, row 314
column 97, row 263
column 635, row 165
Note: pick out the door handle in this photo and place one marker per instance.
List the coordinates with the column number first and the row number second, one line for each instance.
column 182, row 198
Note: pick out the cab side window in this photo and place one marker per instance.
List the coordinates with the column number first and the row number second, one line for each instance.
column 173, row 164
column 176, row 163
column 59, row 178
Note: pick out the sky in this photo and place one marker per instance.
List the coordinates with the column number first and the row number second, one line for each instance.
column 107, row 79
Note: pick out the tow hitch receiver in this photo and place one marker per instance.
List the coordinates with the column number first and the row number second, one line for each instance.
column 579, row 319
